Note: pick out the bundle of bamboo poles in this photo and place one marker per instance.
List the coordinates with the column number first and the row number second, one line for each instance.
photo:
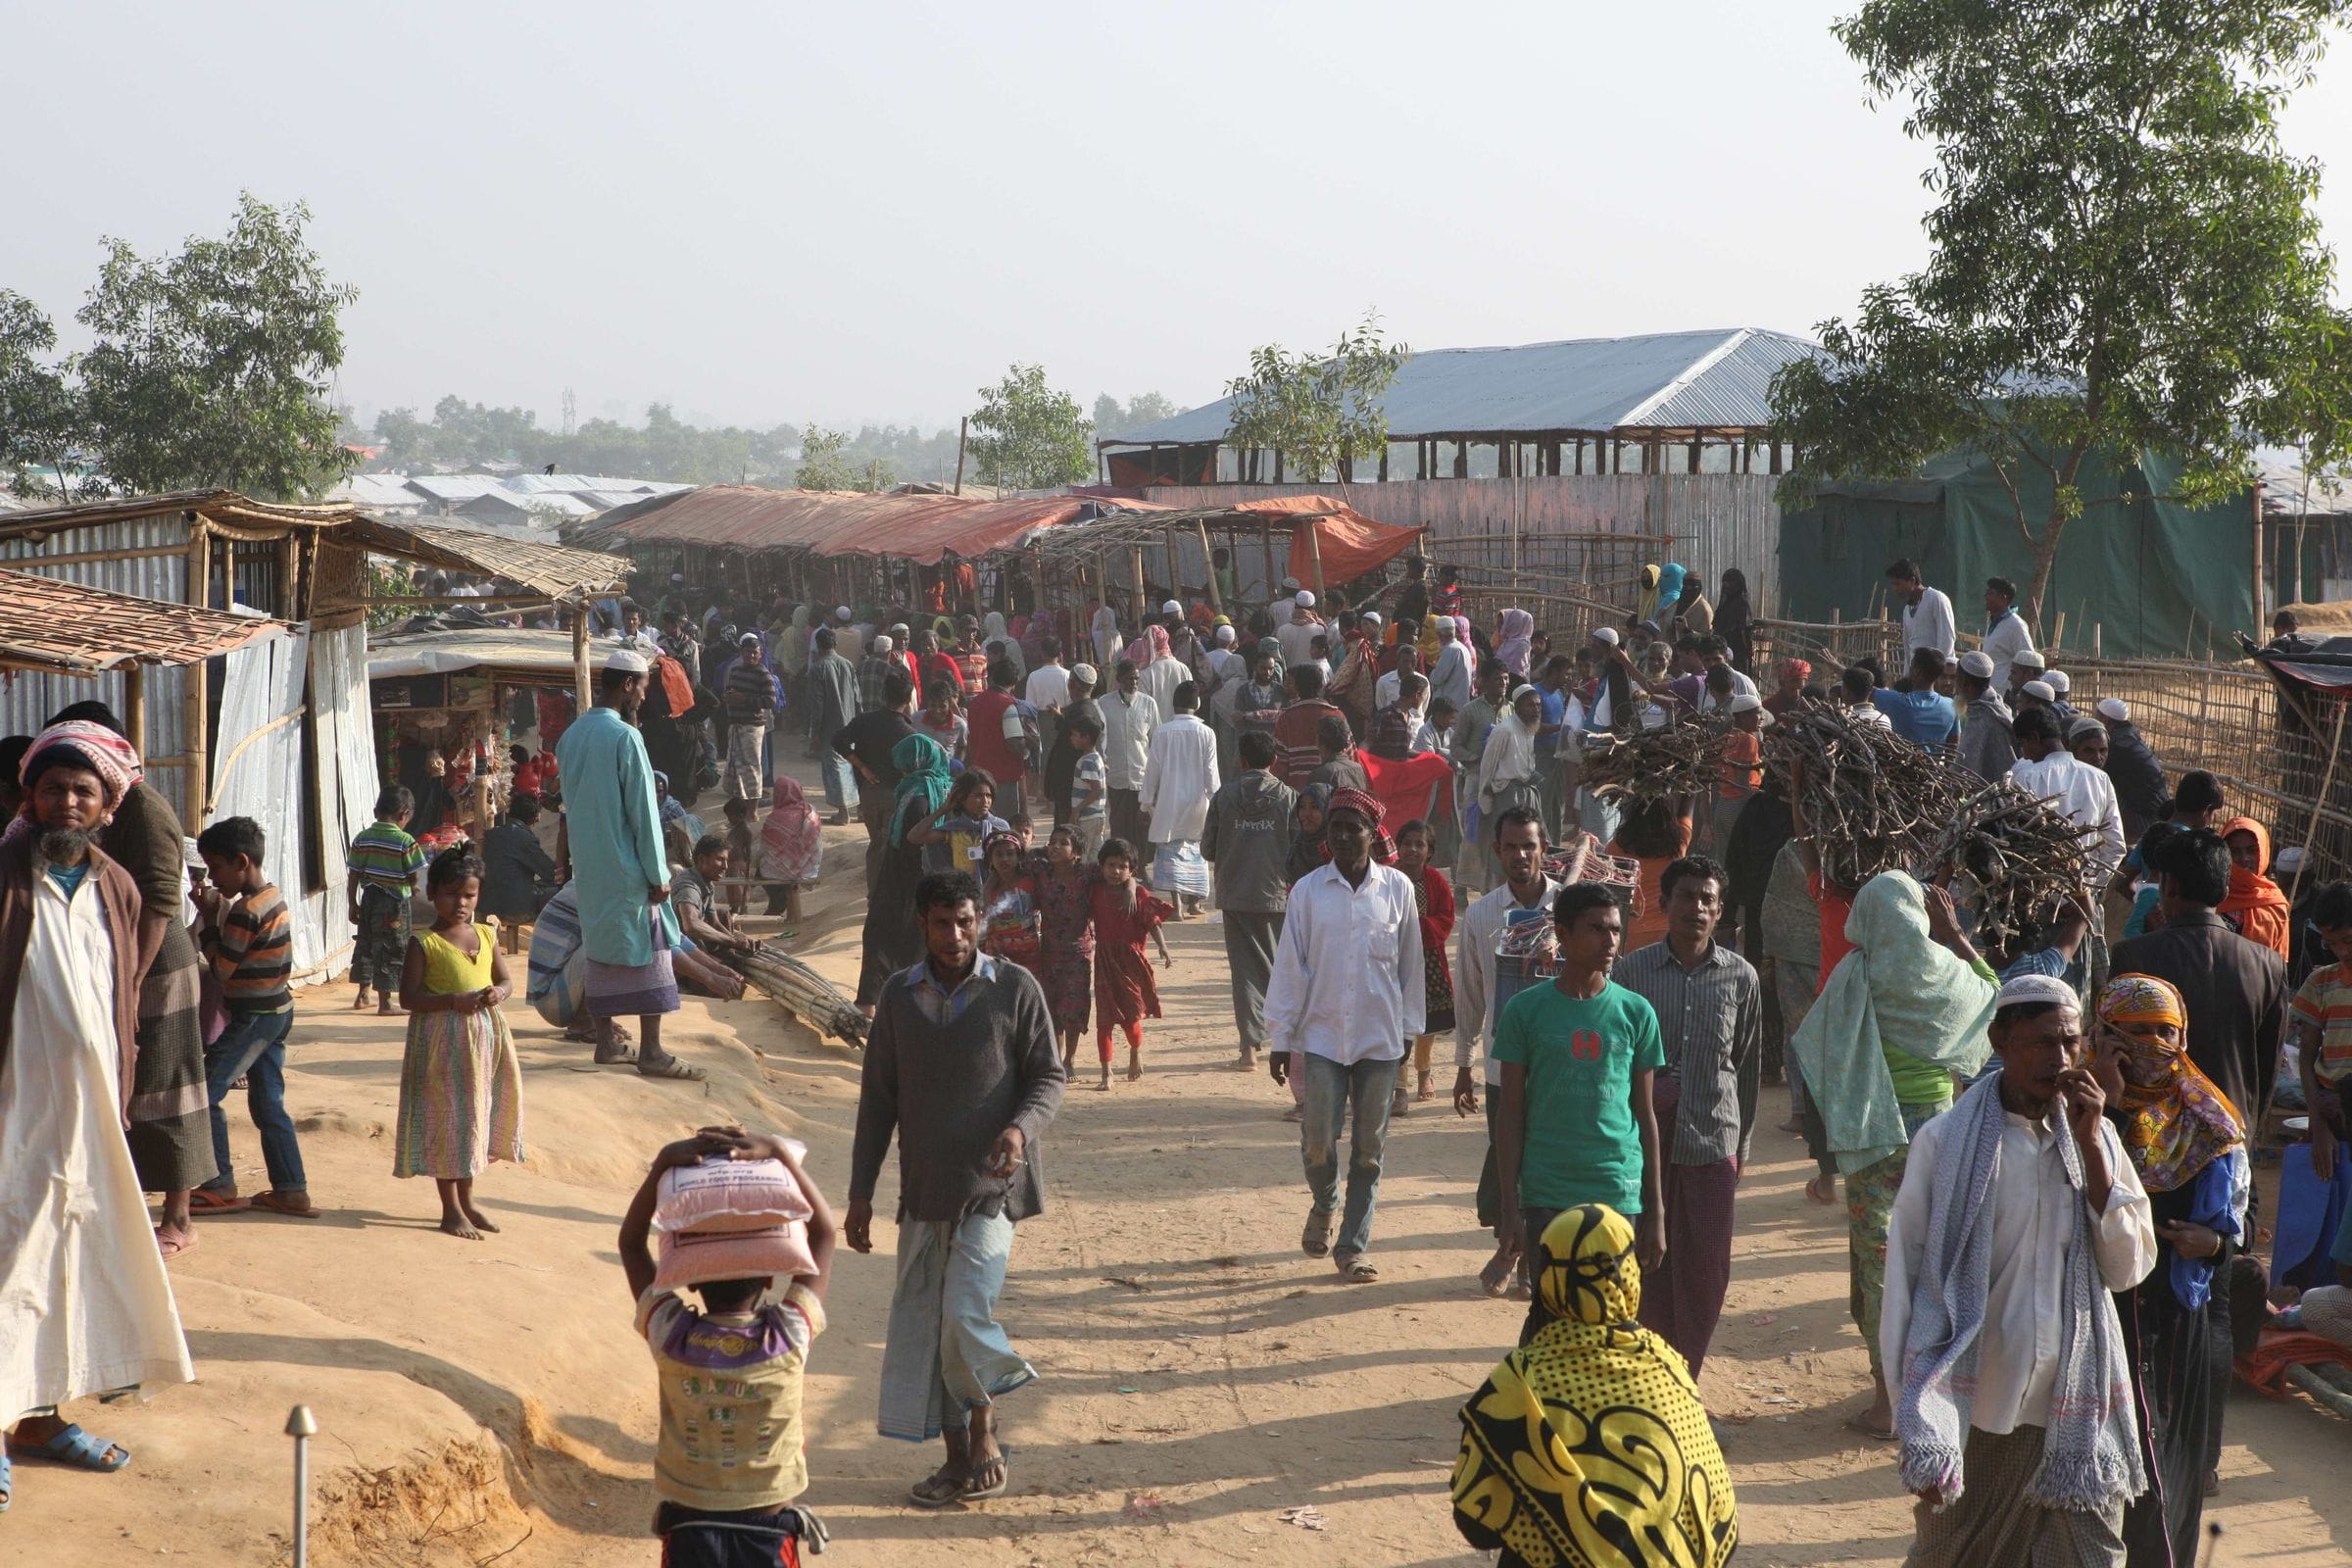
column 1680, row 761
column 808, row 995
column 1871, row 800
column 2025, row 857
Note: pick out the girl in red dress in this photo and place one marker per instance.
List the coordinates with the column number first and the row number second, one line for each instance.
column 1125, row 913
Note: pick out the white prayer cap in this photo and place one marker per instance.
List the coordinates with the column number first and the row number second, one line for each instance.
column 882, row 644
column 2115, row 709
column 1224, row 636
column 2084, row 726
column 1289, row 584
column 2037, row 988
column 2040, row 689
column 1303, row 600
column 1370, row 618
column 750, row 638
column 627, row 663
column 1978, row 663
column 1747, row 702
column 2028, row 659
column 841, row 611
column 2287, row 860
column 1448, row 631
column 2060, row 681
column 1607, row 634
column 677, row 577
column 1084, row 673
column 1171, row 608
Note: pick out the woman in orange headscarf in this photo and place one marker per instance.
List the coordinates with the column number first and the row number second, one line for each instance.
column 2255, row 905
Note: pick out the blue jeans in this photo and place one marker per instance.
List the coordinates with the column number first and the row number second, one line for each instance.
column 1330, row 1090
column 254, row 1048
column 841, row 782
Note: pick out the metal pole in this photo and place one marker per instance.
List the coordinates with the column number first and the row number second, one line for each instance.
column 302, row 1428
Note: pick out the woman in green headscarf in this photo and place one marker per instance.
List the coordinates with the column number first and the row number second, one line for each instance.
column 1588, row 1447
column 1898, row 1016
column 893, row 938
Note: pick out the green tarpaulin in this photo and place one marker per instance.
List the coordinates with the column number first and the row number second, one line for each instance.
column 2140, row 570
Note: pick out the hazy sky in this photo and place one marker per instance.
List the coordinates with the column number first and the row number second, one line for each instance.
column 847, row 213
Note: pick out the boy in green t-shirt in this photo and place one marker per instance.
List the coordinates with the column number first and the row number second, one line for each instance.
column 1575, row 1124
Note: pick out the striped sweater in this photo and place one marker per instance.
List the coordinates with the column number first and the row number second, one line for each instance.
column 253, row 954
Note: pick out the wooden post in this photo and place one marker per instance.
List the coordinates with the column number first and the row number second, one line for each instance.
column 1266, row 537
column 135, row 704
column 962, row 429
column 1142, row 594
column 198, row 804
column 1208, row 561
column 2311, row 835
column 580, row 657
column 2262, row 617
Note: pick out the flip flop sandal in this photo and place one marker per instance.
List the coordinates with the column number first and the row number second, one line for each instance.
column 1315, row 1239
column 76, row 1448
column 201, row 1202
column 973, row 1490
column 1355, row 1271
column 619, row 1058
column 671, row 1068
column 940, row 1491
column 277, row 1204
column 8, row 1483
column 172, row 1246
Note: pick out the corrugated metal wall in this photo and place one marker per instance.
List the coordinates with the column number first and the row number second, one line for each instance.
column 1715, row 520
column 27, row 701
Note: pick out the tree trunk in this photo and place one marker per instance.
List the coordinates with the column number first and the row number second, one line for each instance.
column 2046, row 560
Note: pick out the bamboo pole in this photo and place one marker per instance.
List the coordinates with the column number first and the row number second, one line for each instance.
column 1208, row 561
column 1314, row 547
column 580, row 657
column 2335, row 752
column 135, row 704
column 200, row 592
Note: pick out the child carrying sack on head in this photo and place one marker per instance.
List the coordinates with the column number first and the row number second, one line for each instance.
column 731, row 1454
column 461, row 1084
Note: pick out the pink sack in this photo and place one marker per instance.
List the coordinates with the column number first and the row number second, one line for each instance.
column 694, row 1257
column 729, row 1196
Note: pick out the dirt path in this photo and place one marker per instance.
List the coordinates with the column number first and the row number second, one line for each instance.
column 1198, row 1375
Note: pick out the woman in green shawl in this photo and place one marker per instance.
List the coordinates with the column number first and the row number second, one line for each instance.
column 1588, row 1447
column 893, row 938
column 1901, row 1012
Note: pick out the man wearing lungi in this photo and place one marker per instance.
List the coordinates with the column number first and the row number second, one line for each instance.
column 613, row 833
column 960, row 1065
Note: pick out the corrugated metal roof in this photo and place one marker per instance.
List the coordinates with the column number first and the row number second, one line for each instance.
column 448, row 488
column 1666, row 381
column 510, row 503
column 376, row 490
column 827, row 523
column 576, row 483
column 227, row 506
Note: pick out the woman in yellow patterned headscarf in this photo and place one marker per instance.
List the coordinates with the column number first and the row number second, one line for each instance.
column 1588, row 1448
column 2175, row 1119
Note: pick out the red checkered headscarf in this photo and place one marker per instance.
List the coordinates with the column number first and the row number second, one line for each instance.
column 1364, row 805
column 81, row 743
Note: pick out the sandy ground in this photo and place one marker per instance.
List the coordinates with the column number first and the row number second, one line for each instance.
column 484, row 1402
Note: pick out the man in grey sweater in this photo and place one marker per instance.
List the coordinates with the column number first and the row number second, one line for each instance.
column 1248, row 841
column 960, row 1064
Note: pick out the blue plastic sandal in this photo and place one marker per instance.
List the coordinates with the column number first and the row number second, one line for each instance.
column 8, row 1489
column 80, row 1449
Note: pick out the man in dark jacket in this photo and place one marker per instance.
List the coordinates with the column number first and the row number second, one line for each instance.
column 960, row 1065
column 2131, row 767
column 1248, row 841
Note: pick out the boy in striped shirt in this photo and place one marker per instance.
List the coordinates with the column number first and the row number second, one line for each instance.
column 384, row 862
column 249, row 942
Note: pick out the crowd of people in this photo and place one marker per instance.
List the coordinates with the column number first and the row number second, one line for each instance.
column 2045, row 1148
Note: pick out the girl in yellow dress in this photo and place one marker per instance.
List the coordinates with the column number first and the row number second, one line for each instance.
column 461, row 1086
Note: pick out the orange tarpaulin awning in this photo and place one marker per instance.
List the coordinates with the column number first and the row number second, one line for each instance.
column 1348, row 543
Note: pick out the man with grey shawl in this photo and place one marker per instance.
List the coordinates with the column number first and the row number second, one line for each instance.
column 2019, row 1213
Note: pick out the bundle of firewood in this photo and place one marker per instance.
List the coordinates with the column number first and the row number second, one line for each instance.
column 803, row 992
column 1682, row 760
column 2024, row 857
column 1872, row 801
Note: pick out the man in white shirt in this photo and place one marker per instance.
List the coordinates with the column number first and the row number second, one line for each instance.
column 2005, row 633
column 1048, row 684
column 1926, row 612
column 1178, row 780
column 1129, row 720
column 1524, row 899
column 1449, row 677
column 2015, row 1415
column 1346, row 995
column 1298, row 635
column 2083, row 794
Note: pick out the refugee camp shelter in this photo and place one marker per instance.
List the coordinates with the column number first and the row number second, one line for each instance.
column 2143, row 578
column 1663, row 403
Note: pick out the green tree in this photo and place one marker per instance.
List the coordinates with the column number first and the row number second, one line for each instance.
column 39, row 414
column 827, row 465
column 1027, row 436
column 1317, row 411
column 1114, row 418
column 2123, row 257
column 212, row 367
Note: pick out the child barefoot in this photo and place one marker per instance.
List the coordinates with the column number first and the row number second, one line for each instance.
column 1065, row 896
column 461, row 1086
column 384, row 862
column 1125, row 913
